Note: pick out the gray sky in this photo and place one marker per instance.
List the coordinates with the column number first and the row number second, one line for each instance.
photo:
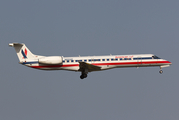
column 95, row 27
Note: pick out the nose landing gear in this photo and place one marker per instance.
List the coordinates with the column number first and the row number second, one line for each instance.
column 161, row 71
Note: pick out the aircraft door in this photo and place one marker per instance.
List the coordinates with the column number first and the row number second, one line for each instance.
column 91, row 60
column 139, row 61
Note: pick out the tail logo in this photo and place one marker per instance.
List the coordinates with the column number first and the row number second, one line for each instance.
column 24, row 53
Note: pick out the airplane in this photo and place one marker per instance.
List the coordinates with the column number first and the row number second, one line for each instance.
column 86, row 64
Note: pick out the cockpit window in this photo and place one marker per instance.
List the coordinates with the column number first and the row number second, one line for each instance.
column 155, row 57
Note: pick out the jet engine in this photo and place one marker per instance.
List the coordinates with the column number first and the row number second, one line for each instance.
column 53, row 60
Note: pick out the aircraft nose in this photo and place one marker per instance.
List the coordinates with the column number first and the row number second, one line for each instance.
column 169, row 62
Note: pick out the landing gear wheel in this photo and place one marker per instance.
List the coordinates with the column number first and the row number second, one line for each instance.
column 160, row 71
column 83, row 76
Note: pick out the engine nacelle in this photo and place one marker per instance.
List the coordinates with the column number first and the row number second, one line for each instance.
column 53, row 60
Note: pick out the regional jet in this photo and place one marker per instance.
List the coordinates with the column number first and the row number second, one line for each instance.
column 86, row 64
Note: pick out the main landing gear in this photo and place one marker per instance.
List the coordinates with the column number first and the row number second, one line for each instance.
column 83, row 75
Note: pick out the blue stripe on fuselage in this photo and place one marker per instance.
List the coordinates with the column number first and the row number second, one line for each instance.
column 30, row 62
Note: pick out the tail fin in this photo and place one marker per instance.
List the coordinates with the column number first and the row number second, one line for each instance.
column 22, row 51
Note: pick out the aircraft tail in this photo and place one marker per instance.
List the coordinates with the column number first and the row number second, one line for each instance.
column 22, row 51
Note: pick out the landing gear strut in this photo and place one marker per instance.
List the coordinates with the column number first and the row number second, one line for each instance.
column 161, row 71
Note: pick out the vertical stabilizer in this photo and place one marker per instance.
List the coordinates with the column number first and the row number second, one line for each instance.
column 22, row 51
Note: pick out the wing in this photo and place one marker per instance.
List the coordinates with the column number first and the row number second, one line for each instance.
column 90, row 67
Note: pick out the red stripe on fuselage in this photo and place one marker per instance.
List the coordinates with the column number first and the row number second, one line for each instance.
column 102, row 64
column 55, row 66
column 137, row 63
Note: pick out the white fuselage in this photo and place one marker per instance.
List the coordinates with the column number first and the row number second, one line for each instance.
column 87, row 63
column 105, row 62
